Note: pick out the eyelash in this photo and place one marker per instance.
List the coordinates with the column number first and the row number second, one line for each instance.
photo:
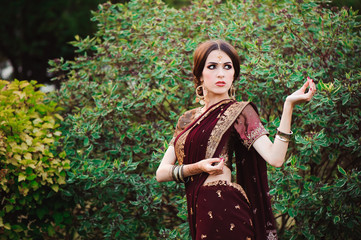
column 212, row 67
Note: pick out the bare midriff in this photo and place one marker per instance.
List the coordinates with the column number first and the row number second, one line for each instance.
column 225, row 176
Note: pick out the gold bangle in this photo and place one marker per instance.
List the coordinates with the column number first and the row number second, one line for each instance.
column 284, row 134
column 176, row 174
column 283, row 139
column 181, row 176
column 173, row 176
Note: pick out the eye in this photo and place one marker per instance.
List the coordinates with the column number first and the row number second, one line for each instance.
column 228, row 66
column 212, row 66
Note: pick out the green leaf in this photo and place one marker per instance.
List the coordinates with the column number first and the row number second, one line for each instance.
column 55, row 187
column 292, row 212
column 41, row 212
column 341, row 182
column 341, row 170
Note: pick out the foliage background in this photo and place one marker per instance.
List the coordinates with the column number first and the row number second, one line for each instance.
column 123, row 92
column 31, row 168
column 33, row 32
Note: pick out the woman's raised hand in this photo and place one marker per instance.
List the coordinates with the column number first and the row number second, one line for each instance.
column 301, row 95
column 213, row 166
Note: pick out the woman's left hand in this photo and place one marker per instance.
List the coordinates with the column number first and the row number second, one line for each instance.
column 301, row 95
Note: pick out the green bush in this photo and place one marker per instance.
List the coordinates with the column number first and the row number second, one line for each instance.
column 124, row 92
column 31, row 171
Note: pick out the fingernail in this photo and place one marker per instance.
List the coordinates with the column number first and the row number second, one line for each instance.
column 311, row 89
column 308, row 78
column 221, row 159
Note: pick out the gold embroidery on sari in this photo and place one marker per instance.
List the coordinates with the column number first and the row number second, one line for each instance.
column 227, row 183
column 272, row 235
column 254, row 135
column 232, row 226
column 223, row 124
column 179, row 145
column 171, row 143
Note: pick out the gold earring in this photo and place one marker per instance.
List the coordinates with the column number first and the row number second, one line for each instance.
column 199, row 98
column 232, row 92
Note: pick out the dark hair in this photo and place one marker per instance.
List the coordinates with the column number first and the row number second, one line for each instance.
column 202, row 52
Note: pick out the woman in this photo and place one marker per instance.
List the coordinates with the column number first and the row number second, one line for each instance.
column 209, row 137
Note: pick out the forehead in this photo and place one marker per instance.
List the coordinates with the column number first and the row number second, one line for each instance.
column 218, row 56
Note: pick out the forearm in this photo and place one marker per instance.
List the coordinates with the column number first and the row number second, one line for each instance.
column 192, row 169
column 164, row 172
column 279, row 147
column 275, row 153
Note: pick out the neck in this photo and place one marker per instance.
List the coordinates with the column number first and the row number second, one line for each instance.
column 209, row 101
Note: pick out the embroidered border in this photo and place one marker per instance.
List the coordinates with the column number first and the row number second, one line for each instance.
column 227, row 183
column 254, row 135
column 179, row 144
column 272, row 235
column 171, row 143
column 223, row 124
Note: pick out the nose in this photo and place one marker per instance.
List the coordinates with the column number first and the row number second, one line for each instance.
column 220, row 73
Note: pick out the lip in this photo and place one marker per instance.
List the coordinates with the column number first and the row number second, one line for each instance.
column 220, row 83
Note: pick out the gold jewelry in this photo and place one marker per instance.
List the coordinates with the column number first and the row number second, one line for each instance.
column 283, row 139
column 173, row 172
column 178, row 174
column 199, row 97
column 181, row 176
column 284, row 134
column 286, row 137
column 232, row 92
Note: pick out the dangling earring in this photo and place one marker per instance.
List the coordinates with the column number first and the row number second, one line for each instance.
column 232, row 92
column 199, row 98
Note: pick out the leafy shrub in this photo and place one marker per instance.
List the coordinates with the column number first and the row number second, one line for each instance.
column 124, row 92
column 31, row 171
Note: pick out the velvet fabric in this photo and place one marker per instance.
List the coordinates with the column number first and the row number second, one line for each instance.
column 223, row 212
column 206, row 136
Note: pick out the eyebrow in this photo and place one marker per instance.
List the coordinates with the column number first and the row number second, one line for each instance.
column 218, row 63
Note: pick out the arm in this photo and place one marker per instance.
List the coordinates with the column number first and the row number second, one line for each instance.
column 164, row 171
column 274, row 153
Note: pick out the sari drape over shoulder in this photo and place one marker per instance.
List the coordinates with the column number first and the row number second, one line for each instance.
column 228, row 128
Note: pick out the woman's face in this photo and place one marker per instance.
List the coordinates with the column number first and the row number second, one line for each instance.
column 217, row 75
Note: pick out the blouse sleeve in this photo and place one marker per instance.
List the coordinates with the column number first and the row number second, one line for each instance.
column 249, row 127
column 183, row 122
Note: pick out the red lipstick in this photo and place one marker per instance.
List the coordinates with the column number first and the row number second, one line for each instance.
column 220, row 83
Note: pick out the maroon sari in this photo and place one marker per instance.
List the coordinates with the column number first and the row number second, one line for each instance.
column 249, row 213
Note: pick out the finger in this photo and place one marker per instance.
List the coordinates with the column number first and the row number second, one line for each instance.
column 215, row 161
column 221, row 164
column 313, row 85
column 310, row 93
column 306, row 84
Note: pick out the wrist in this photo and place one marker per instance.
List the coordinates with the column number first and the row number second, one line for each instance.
column 199, row 166
column 288, row 104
